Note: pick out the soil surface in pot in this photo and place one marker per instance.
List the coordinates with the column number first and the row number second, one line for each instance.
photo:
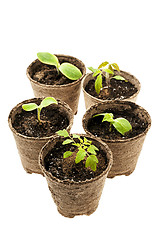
column 48, row 74
column 101, row 129
column 67, row 168
column 52, row 120
column 118, row 89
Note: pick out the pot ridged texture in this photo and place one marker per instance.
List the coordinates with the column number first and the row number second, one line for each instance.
column 76, row 198
column 68, row 93
column 29, row 147
column 91, row 100
column 125, row 151
column 125, row 156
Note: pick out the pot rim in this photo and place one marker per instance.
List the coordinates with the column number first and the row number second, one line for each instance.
column 84, row 122
column 57, row 86
column 67, row 181
column 60, row 102
column 104, row 101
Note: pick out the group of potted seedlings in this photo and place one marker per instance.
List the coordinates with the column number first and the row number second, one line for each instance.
column 76, row 165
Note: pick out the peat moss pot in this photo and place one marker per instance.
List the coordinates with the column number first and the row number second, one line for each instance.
column 125, row 148
column 76, row 190
column 118, row 90
column 30, row 135
column 46, row 81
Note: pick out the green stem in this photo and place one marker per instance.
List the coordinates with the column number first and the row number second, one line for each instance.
column 107, row 78
column 57, row 70
column 72, row 139
column 110, row 127
column 38, row 114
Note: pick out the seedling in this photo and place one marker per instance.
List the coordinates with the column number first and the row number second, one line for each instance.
column 122, row 125
column 45, row 102
column 107, row 72
column 67, row 69
column 86, row 150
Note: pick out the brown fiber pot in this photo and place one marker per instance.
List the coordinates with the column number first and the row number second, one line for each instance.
column 76, row 198
column 29, row 147
column 68, row 93
column 91, row 100
column 125, row 151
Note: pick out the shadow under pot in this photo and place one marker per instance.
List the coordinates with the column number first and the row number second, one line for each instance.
column 117, row 89
column 75, row 189
column 125, row 148
column 47, row 82
column 31, row 135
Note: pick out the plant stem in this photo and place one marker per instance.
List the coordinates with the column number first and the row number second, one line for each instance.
column 107, row 78
column 57, row 70
column 38, row 114
column 72, row 138
column 110, row 127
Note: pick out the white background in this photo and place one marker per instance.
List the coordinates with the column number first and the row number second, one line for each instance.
column 126, row 32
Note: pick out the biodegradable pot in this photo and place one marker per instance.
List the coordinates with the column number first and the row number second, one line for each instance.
column 29, row 147
column 68, row 93
column 91, row 100
column 125, row 151
column 76, row 198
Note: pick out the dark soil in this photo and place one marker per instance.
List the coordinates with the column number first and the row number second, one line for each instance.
column 47, row 74
column 52, row 120
column 101, row 129
column 117, row 89
column 67, row 168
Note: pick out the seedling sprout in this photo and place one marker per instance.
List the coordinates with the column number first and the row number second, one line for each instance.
column 86, row 150
column 45, row 102
column 67, row 69
column 107, row 72
column 122, row 125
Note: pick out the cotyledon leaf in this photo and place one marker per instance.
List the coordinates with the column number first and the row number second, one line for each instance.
column 70, row 71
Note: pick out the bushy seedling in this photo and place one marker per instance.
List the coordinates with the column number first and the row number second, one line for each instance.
column 86, row 150
column 122, row 125
column 107, row 70
column 45, row 102
column 67, row 69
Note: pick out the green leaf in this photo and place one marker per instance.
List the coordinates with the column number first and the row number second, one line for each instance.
column 67, row 141
column 92, row 149
column 48, row 58
column 108, row 71
column 63, row 133
column 98, row 84
column 85, row 139
column 87, row 142
column 75, row 135
column 67, row 154
column 85, row 147
column 70, row 71
column 110, row 67
column 80, row 155
column 92, row 162
column 81, row 140
column 92, row 69
column 96, row 72
column 122, row 125
column 119, row 78
column 47, row 101
column 103, row 64
column 76, row 144
column 108, row 117
column 29, row 106
column 115, row 66
column 100, row 114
